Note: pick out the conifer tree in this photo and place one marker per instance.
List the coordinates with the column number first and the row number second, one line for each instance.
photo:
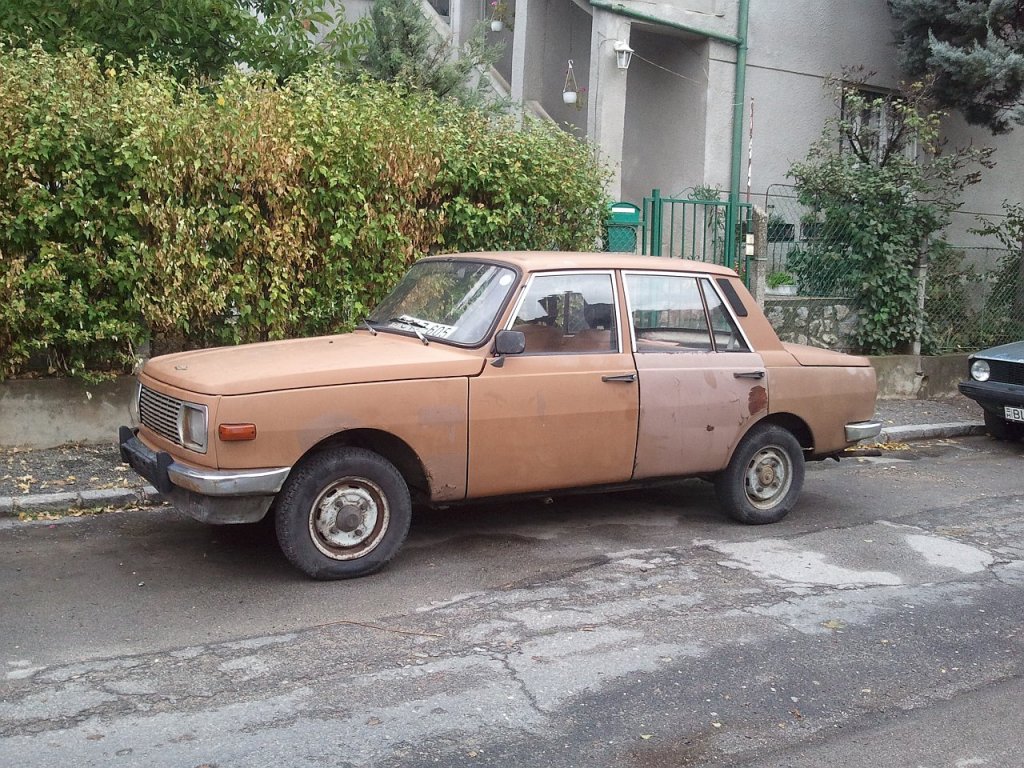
column 973, row 50
column 403, row 47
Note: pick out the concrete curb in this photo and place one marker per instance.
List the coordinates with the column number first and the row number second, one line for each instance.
column 929, row 431
column 41, row 503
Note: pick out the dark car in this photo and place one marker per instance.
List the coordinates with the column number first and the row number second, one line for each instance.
column 997, row 384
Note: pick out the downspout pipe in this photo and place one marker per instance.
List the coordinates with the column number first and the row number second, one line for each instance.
column 732, row 213
column 740, row 43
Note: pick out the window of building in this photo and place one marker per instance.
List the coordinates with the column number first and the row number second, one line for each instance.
column 876, row 125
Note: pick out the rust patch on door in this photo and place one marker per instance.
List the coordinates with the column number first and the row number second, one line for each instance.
column 757, row 400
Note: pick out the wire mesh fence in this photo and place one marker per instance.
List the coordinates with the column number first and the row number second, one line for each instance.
column 974, row 298
column 805, row 250
column 974, row 294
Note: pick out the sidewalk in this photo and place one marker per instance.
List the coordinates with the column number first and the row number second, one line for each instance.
column 92, row 476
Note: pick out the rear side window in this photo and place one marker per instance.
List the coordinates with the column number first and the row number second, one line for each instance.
column 668, row 313
column 727, row 336
column 732, row 297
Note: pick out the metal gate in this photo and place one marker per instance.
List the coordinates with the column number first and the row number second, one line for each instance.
column 699, row 229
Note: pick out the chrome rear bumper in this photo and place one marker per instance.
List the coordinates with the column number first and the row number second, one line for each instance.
column 862, row 430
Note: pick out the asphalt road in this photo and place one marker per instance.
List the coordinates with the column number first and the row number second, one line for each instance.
column 880, row 624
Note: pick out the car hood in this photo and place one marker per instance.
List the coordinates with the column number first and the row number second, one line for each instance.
column 815, row 356
column 1011, row 353
column 318, row 362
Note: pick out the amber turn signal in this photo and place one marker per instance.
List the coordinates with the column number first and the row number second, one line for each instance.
column 232, row 433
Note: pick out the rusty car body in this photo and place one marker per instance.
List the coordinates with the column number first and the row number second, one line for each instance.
column 494, row 374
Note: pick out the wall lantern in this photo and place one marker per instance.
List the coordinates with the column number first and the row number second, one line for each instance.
column 623, row 54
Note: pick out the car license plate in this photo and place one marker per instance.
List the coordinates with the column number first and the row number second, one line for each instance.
column 1013, row 414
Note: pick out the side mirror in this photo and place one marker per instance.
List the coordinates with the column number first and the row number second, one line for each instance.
column 509, row 343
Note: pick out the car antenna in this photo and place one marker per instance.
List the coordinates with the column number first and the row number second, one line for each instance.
column 370, row 328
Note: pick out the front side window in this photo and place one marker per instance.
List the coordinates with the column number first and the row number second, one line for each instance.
column 668, row 313
column 453, row 301
column 568, row 313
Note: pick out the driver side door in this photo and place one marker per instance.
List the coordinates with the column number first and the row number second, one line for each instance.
column 564, row 413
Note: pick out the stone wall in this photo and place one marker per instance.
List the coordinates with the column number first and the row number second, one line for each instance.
column 820, row 322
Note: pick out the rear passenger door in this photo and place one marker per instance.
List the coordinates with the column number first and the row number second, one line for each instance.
column 700, row 383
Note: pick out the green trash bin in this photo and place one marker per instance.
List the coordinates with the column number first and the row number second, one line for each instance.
column 623, row 226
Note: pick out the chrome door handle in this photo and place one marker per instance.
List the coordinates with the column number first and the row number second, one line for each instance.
column 625, row 377
column 749, row 375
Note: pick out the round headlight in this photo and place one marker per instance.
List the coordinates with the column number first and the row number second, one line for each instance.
column 980, row 370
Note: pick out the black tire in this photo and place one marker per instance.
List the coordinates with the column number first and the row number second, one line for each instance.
column 1000, row 428
column 359, row 484
column 764, row 476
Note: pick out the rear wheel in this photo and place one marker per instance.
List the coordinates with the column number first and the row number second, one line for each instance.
column 764, row 476
column 343, row 513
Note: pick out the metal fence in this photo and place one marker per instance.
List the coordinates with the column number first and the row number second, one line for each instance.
column 804, row 250
column 969, row 293
column 695, row 227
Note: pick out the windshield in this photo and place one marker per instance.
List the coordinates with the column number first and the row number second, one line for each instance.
column 455, row 301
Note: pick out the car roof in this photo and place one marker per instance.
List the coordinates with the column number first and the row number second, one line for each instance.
column 539, row 261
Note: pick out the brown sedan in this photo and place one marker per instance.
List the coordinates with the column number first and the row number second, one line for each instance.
column 496, row 374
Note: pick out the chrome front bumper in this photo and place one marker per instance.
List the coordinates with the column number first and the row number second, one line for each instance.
column 862, row 430
column 208, row 495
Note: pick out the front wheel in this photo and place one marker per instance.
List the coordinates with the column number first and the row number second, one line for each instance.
column 343, row 513
column 1000, row 428
column 764, row 476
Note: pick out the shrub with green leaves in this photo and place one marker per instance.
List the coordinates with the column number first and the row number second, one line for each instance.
column 888, row 186
column 64, row 194
column 134, row 206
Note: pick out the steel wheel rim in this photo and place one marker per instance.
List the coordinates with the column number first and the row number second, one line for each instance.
column 768, row 477
column 349, row 518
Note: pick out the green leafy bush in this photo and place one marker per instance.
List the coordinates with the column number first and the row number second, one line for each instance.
column 134, row 206
column 880, row 189
column 64, row 190
column 204, row 38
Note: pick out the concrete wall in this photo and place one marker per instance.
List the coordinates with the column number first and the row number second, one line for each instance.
column 664, row 148
column 50, row 412
column 567, row 34
column 503, row 38
column 911, row 376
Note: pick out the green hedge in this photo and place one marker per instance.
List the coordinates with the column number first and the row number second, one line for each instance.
column 134, row 207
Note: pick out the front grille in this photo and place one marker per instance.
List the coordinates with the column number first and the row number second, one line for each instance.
column 161, row 413
column 1006, row 372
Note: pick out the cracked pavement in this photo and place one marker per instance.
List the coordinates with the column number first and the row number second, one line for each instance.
column 639, row 628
